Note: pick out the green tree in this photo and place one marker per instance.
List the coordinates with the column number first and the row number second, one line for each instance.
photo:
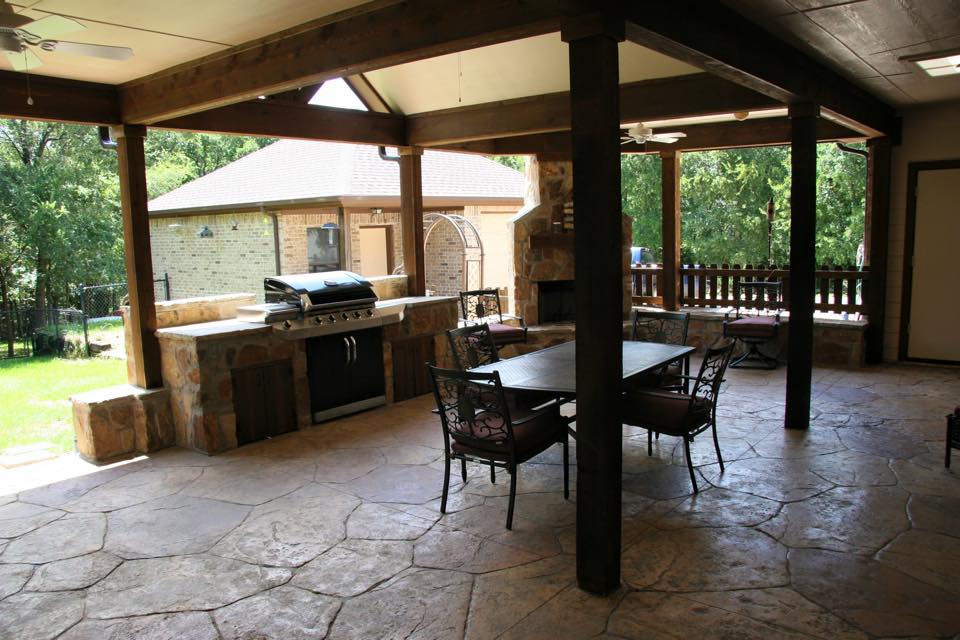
column 641, row 199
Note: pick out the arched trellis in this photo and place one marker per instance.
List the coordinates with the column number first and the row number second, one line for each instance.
column 469, row 237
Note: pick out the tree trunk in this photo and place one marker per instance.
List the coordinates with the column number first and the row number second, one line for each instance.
column 40, row 293
column 7, row 312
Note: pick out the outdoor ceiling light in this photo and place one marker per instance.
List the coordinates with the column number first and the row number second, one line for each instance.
column 941, row 63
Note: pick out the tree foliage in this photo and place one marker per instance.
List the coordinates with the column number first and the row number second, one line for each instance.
column 60, row 223
column 723, row 204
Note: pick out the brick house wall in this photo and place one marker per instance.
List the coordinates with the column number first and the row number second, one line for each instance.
column 232, row 261
column 293, row 225
column 443, row 260
column 362, row 217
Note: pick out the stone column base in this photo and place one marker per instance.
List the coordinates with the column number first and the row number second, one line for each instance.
column 122, row 420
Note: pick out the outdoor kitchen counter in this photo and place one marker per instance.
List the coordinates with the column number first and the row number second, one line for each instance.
column 200, row 363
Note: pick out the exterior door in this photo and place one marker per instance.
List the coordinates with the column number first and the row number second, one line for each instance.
column 934, row 307
column 374, row 251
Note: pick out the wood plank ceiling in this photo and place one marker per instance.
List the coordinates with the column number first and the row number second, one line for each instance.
column 864, row 40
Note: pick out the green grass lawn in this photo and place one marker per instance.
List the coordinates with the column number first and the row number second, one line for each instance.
column 35, row 392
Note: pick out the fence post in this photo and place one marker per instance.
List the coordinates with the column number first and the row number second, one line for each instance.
column 83, row 313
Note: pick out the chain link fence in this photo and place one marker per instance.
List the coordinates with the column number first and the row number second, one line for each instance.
column 96, row 327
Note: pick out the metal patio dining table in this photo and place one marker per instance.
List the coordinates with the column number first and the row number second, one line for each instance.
column 554, row 369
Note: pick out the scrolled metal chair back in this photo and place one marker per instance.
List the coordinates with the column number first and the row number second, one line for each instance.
column 714, row 365
column 662, row 327
column 472, row 408
column 480, row 303
column 472, row 346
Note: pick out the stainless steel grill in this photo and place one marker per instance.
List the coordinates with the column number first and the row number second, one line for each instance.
column 317, row 304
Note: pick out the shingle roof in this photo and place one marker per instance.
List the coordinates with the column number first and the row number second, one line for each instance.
column 296, row 170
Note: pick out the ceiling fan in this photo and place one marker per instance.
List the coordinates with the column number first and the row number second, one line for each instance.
column 641, row 133
column 20, row 35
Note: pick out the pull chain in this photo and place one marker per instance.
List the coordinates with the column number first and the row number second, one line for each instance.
column 459, row 79
column 26, row 69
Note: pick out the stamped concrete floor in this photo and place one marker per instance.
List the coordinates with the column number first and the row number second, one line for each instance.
column 850, row 530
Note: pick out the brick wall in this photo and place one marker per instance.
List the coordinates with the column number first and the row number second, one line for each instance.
column 293, row 225
column 443, row 260
column 362, row 217
column 232, row 261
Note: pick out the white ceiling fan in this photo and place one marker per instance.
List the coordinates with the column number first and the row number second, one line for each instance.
column 641, row 133
column 20, row 35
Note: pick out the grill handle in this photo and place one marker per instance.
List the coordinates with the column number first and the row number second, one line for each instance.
column 356, row 353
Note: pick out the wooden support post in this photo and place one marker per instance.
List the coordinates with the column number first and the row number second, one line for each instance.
column 875, row 241
column 136, row 248
column 598, row 247
column 803, row 231
column 670, row 186
column 411, row 219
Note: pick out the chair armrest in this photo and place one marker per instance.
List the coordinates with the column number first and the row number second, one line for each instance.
column 510, row 316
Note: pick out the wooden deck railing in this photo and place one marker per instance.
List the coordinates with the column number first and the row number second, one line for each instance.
column 839, row 289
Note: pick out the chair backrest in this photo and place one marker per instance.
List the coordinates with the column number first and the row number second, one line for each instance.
column 761, row 297
column 472, row 346
column 714, row 365
column 665, row 327
column 473, row 408
column 480, row 303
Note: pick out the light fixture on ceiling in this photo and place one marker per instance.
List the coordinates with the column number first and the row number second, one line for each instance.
column 740, row 116
column 939, row 63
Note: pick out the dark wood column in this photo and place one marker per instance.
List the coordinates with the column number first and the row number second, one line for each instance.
column 411, row 219
column 670, row 187
column 875, row 243
column 598, row 247
column 137, row 258
column 803, row 231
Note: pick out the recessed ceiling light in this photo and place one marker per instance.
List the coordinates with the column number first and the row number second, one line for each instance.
column 943, row 63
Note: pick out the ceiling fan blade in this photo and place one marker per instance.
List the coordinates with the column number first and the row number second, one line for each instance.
column 662, row 139
column 673, row 134
column 51, row 26
column 23, row 60
column 84, row 49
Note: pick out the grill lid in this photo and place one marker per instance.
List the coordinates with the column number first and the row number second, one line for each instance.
column 314, row 289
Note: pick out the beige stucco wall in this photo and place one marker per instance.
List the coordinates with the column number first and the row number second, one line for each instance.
column 293, row 224
column 929, row 133
column 494, row 225
column 233, row 260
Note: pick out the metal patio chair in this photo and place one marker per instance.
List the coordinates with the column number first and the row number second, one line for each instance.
column 480, row 426
column 665, row 327
column 681, row 414
column 482, row 306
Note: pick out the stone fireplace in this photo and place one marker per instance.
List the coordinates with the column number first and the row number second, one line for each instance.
column 543, row 258
column 557, row 301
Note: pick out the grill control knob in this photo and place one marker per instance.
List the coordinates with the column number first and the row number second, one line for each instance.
column 343, row 316
column 369, row 313
column 356, row 314
column 318, row 320
column 331, row 318
column 286, row 324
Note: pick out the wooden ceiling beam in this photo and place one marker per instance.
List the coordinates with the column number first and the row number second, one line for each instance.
column 682, row 96
column 702, row 137
column 372, row 36
column 367, row 93
column 57, row 99
column 278, row 119
column 721, row 41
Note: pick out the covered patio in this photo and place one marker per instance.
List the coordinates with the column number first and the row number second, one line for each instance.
column 848, row 530
column 834, row 516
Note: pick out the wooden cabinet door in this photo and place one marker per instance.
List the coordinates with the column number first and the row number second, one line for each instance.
column 263, row 401
column 410, row 375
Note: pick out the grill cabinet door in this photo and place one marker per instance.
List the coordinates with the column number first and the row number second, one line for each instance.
column 366, row 371
column 328, row 370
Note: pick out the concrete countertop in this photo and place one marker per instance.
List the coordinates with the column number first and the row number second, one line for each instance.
column 220, row 329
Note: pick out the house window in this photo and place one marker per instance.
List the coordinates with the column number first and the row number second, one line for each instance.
column 323, row 248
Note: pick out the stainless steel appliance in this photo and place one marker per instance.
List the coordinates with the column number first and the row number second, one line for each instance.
column 336, row 313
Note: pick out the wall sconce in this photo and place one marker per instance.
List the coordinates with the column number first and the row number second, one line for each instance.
column 205, row 232
column 376, row 211
column 233, row 225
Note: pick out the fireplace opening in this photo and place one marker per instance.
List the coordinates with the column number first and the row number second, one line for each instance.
column 557, row 301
